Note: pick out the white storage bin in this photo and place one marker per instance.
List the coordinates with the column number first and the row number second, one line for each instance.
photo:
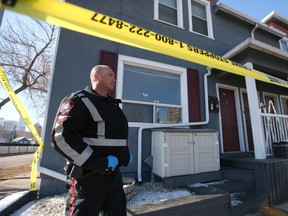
column 183, row 152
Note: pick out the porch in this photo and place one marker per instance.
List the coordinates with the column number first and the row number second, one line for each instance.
column 246, row 185
column 275, row 130
column 269, row 176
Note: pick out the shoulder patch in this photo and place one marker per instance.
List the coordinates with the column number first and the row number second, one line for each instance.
column 66, row 107
column 64, row 111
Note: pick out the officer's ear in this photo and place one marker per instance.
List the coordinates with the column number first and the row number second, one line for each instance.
column 96, row 76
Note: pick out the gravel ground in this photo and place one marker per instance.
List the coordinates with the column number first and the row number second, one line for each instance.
column 146, row 193
column 43, row 207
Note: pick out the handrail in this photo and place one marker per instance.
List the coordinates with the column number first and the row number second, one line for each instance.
column 275, row 127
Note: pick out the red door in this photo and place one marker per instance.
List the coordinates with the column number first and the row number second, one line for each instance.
column 248, row 122
column 229, row 120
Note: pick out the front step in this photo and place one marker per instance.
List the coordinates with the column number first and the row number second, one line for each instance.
column 233, row 173
column 233, row 186
column 241, row 203
column 237, row 179
column 204, row 205
column 247, row 202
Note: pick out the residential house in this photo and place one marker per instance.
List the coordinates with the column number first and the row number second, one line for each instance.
column 21, row 140
column 163, row 94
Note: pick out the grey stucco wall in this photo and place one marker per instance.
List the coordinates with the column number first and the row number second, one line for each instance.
column 77, row 53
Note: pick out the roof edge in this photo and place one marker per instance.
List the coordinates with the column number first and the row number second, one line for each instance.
column 252, row 43
column 276, row 15
column 249, row 19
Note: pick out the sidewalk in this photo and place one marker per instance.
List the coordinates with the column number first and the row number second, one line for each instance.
column 15, row 192
column 15, row 184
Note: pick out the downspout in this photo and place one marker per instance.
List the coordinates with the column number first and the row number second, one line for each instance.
column 253, row 30
column 140, row 131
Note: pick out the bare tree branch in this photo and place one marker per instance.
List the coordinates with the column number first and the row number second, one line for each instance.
column 26, row 54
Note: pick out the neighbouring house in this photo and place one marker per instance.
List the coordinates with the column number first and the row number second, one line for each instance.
column 206, row 120
column 21, row 140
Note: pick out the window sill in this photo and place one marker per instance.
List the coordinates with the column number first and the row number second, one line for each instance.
column 170, row 24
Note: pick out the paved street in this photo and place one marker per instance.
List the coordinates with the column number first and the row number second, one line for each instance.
column 14, row 160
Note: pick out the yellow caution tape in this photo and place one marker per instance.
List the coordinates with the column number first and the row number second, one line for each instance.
column 24, row 115
column 93, row 23
column 96, row 24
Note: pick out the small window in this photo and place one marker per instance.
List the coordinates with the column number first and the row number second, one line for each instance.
column 200, row 17
column 284, row 45
column 169, row 11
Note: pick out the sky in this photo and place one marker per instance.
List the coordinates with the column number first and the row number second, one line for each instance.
column 257, row 9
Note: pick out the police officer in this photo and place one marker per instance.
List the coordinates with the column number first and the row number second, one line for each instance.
column 90, row 131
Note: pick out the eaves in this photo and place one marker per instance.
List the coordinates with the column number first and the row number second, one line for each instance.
column 247, row 19
column 274, row 15
column 257, row 45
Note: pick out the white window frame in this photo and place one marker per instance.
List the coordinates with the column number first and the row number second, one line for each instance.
column 286, row 41
column 282, row 97
column 122, row 59
column 179, row 13
column 208, row 15
column 276, row 101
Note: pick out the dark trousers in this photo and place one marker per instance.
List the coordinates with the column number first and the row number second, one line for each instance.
column 89, row 196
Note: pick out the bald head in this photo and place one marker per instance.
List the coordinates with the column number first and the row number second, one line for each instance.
column 102, row 79
column 97, row 69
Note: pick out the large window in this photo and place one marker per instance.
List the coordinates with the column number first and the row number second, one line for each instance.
column 284, row 45
column 151, row 94
column 200, row 17
column 169, row 11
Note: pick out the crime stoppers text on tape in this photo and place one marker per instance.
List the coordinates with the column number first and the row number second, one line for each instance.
column 24, row 115
column 96, row 24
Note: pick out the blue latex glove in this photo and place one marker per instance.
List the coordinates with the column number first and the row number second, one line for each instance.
column 112, row 162
column 131, row 159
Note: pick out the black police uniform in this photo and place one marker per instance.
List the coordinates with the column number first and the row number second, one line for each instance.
column 88, row 127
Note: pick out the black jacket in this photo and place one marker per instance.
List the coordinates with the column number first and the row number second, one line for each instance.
column 88, row 127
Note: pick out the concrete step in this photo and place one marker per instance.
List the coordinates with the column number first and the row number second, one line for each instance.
column 233, row 173
column 247, row 202
column 235, row 186
column 204, row 205
column 240, row 203
column 14, row 201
